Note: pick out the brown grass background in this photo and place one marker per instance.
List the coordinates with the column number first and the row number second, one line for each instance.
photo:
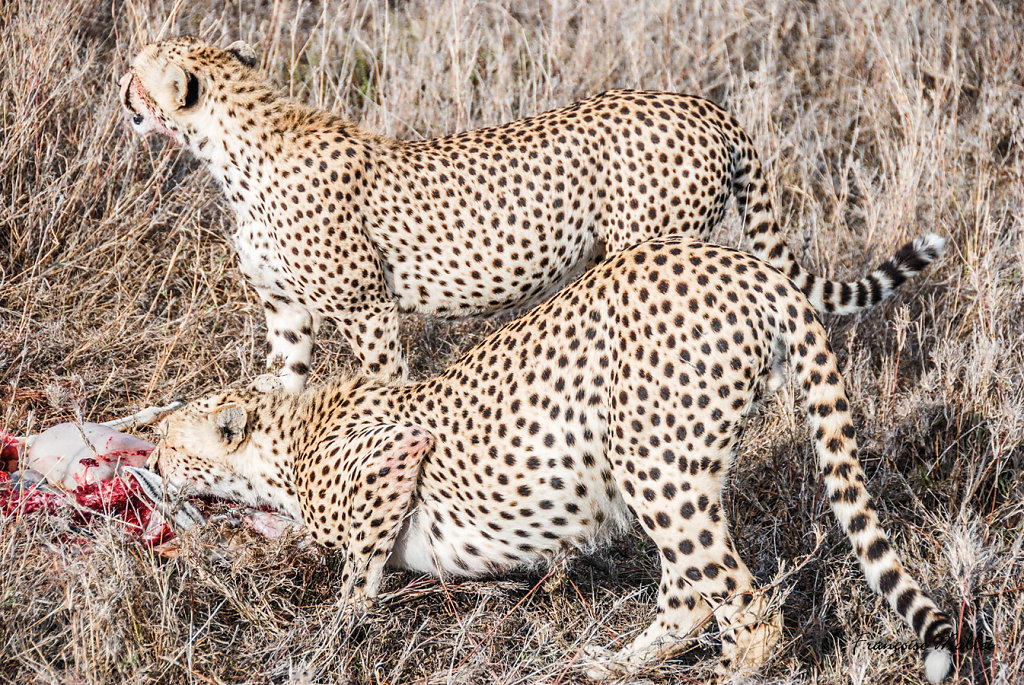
column 877, row 121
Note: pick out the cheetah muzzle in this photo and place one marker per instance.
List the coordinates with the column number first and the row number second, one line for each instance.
column 623, row 393
column 332, row 221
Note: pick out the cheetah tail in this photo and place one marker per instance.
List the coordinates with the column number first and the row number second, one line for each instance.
column 835, row 444
column 833, row 297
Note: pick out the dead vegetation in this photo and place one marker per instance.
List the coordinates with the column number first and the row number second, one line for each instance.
column 878, row 122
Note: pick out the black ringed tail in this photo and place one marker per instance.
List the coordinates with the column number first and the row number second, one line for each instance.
column 753, row 203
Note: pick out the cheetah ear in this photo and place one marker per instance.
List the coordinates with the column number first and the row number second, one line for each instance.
column 244, row 52
column 182, row 86
column 231, row 422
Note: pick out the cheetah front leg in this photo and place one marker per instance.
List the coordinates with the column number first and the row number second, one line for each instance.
column 356, row 490
column 291, row 330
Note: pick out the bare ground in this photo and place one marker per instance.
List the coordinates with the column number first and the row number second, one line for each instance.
column 877, row 121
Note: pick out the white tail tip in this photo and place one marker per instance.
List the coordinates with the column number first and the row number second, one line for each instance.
column 937, row 664
column 931, row 246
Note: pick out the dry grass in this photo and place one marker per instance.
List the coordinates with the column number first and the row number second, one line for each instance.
column 878, row 122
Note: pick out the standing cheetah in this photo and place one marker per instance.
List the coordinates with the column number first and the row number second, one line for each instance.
column 624, row 393
column 334, row 221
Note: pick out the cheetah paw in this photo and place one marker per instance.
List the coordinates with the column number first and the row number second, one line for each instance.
column 603, row 664
column 267, row 383
column 353, row 610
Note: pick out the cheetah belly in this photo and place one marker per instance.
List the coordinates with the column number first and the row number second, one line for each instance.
column 474, row 275
column 472, row 551
column 565, row 508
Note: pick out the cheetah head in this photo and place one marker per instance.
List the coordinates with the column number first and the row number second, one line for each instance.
column 210, row 447
column 175, row 85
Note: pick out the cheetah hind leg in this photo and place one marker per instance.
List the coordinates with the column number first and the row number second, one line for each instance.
column 379, row 466
column 372, row 332
column 750, row 627
column 682, row 614
column 690, row 531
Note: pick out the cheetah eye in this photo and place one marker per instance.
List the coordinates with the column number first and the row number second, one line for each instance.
column 137, row 120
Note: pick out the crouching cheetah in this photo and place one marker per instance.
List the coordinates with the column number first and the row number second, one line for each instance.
column 624, row 393
column 337, row 222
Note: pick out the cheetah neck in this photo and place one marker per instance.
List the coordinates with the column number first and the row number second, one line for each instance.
column 265, row 464
column 286, row 427
column 267, row 477
column 260, row 139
